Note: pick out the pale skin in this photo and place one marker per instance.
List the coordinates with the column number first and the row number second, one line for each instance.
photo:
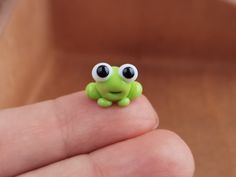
column 72, row 136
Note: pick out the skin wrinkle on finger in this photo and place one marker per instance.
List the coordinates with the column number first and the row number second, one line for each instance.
column 60, row 124
column 26, row 140
column 6, row 7
column 57, row 129
column 159, row 153
column 96, row 167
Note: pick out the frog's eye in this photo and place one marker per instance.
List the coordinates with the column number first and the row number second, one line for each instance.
column 129, row 72
column 101, row 71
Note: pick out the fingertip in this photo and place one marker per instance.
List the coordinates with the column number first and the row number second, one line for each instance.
column 142, row 110
column 169, row 150
column 159, row 152
column 139, row 116
column 147, row 106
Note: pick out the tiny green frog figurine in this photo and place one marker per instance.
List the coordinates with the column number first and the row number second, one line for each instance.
column 114, row 84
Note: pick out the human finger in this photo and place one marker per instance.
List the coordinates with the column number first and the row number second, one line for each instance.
column 36, row 135
column 159, row 153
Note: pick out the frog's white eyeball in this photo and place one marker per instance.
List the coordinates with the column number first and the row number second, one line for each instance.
column 128, row 72
column 101, row 72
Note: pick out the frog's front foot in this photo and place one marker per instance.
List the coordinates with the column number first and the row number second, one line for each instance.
column 103, row 102
column 124, row 102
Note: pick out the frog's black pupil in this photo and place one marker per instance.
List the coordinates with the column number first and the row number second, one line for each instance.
column 102, row 71
column 128, row 72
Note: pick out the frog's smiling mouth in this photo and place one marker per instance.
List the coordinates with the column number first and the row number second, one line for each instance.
column 115, row 95
column 113, row 92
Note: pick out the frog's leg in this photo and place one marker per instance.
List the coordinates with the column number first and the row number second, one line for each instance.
column 103, row 102
column 124, row 102
column 135, row 90
column 91, row 91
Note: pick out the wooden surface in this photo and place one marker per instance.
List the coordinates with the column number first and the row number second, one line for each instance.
column 185, row 53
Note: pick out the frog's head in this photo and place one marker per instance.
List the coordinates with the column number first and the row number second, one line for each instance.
column 114, row 83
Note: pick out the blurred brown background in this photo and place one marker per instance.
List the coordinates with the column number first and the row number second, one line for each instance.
column 185, row 52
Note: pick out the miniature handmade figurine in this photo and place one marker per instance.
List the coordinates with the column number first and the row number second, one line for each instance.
column 114, row 84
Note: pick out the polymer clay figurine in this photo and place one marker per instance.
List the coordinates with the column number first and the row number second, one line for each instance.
column 114, row 84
